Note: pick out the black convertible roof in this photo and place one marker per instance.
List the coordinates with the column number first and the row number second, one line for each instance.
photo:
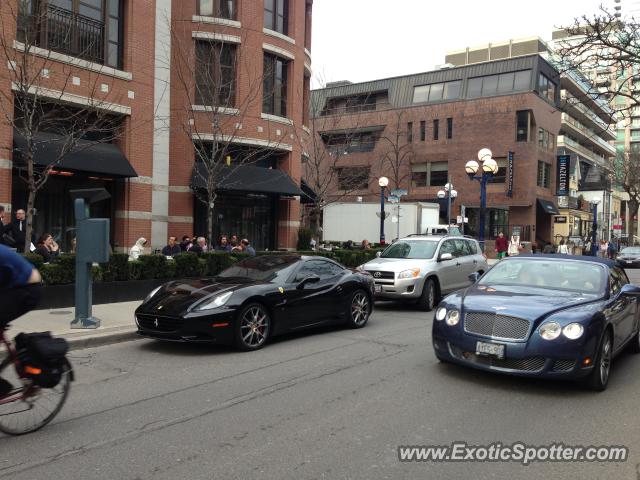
column 579, row 258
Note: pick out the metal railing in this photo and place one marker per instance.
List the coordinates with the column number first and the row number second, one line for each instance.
column 65, row 32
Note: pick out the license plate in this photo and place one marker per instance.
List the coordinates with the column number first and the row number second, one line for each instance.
column 490, row 349
column 378, row 288
column 629, row 261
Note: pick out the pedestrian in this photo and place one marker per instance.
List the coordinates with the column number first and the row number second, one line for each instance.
column 5, row 227
column 172, row 248
column 611, row 250
column 587, row 247
column 234, row 238
column 223, row 244
column 137, row 249
column 604, row 247
column 247, row 248
column 18, row 230
column 562, row 248
column 312, row 244
column 186, row 243
column 502, row 245
column 47, row 248
column 365, row 245
column 199, row 247
column 235, row 247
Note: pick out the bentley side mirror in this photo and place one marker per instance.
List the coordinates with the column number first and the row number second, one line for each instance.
column 630, row 289
column 308, row 280
column 378, row 254
column 474, row 277
column 445, row 256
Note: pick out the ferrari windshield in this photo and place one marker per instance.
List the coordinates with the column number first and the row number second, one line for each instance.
column 262, row 269
column 411, row 249
column 554, row 274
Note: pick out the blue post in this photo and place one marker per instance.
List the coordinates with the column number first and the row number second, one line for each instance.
column 594, row 231
column 483, row 207
column 382, row 242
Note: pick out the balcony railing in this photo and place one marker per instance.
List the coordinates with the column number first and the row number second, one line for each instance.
column 65, row 32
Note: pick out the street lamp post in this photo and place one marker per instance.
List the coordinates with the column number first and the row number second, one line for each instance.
column 383, row 182
column 488, row 168
column 450, row 194
column 594, row 228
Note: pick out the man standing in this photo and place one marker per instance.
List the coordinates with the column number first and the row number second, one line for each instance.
column 200, row 246
column 501, row 246
column 5, row 221
column 247, row 248
column 172, row 248
column 19, row 230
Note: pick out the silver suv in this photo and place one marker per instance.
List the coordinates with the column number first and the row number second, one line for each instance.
column 424, row 268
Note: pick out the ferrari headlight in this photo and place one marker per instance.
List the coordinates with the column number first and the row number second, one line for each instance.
column 150, row 296
column 216, row 302
column 453, row 317
column 411, row 273
column 573, row 331
column 441, row 313
column 550, row 330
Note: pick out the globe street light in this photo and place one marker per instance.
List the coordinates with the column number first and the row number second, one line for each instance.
column 487, row 167
column 449, row 193
column 594, row 228
column 383, row 182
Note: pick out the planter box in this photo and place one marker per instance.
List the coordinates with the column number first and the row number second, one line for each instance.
column 63, row 296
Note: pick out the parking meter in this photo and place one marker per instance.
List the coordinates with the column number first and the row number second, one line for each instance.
column 92, row 245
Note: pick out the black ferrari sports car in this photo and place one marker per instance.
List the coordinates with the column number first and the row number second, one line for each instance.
column 256, row 299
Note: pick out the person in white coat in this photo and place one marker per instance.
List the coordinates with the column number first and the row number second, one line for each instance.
column 137, row 249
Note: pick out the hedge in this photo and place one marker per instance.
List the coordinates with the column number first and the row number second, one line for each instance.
column 148, row 267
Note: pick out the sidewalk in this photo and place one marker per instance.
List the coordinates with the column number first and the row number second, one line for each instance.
column 118, row 325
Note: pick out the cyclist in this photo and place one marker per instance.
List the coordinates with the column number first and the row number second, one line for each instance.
column 19, row 292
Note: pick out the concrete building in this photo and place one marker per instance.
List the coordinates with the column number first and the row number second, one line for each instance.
column 586, row 136
column 128, row 63
column 443, row 118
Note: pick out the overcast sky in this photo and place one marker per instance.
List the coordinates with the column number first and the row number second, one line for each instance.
column 361, row 40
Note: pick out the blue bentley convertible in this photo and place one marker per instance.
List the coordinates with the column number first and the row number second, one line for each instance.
column 552, row 316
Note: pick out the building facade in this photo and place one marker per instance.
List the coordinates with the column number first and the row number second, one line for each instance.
column 441, row 119
column 584, row 144
column 141, row 62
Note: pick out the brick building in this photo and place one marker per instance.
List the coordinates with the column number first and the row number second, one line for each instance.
column 120, row 56
column 443, row 118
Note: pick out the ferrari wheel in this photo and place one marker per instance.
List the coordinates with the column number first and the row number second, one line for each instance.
column 253, row 327
column 359, row 309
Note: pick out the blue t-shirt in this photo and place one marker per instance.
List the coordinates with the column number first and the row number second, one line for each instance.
column 14, row 269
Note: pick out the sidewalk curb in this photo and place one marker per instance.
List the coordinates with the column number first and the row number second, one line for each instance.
column 82, row 341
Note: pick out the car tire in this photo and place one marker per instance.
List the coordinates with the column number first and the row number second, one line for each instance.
column 359, row 309
column 427, row 300
column 253, row 327
column 598, row 379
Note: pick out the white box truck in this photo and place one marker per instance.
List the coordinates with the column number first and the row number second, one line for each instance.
column 344, row 221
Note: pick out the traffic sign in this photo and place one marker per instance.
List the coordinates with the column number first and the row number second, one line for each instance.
column 399, row 192
column 393, row 199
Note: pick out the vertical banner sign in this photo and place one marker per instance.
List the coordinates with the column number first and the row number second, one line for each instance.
column 563, row 176
column 510, row 185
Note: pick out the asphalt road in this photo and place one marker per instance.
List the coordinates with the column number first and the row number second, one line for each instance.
column 330, row 403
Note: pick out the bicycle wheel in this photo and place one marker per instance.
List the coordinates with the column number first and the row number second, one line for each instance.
column 34, row 407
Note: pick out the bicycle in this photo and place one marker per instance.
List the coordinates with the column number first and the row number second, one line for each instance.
column 28, row 407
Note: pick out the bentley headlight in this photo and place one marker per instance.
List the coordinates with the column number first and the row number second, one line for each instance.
column 150, row 296
column 216, row 302
column 573, row 331
column 441, row 313
column 453, row 317
column 550, row 330
column 411, row 273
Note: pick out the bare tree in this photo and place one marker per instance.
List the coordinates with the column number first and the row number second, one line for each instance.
column 212, row 113
column 37, row 107
column 605, row 43
column 333, row 136
column 397, row 151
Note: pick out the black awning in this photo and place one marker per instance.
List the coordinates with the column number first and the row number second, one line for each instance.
column 249, row 178
column 104, row 159
column 309, row 196
column 548, row 207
